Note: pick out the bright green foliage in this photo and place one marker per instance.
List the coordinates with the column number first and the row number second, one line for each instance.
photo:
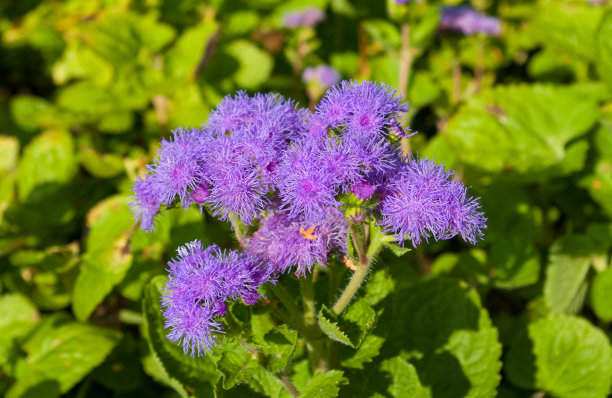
column 89, row 88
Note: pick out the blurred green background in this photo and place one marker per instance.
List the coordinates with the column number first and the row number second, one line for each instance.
column 89, row 87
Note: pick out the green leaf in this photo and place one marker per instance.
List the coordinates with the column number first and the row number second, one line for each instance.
column 121, row 371
column 278, row 347
column 352, row 326
column 514, row 264
column 601, row 295
column 604, row 49
column 107, row 258
column 183, row 58
column 323, row 385
column 18, row 317
column 599, row 184
column 56, row 350
column 367, row 351
column 573, row 358
column 196, row 375
column 379, row 285
column 32, row 113
column 236, row 364
column 9, row 152
column 47, row 165
column 524, row 131
column 567, row 268
column 448, row 337
column 254, row 64
column 404, row 379
column 100, row 165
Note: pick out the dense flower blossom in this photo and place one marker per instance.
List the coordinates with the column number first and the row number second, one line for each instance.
column 468, row 21
column 324, row 75
column 201, row 281
column 286, row 242
column 308, row 17
column 425, row 202
column 284, row 173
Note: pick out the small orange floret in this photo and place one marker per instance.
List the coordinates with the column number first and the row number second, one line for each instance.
column 349, row 263
column 307, row 233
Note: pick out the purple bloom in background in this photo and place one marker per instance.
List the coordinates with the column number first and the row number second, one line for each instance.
column 201, row 281
column 423, row 201
column 324, row 75
column 468, row 21
column 308, row 17
column 401, row 1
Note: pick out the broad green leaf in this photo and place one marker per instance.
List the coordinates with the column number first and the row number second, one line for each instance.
column 514, row 264
column 122, row 370
column 567, row 268
column 423, row 90
column 599, row 184
column 601, row 295
column 18, row 317
column 567, row 28
column 196, row 375
column 108, row 256
column 55, row 352
column 115, row 38
column 254, row 64
column 404, row 379
column 9, row 152
column 379, row 285
column 32, row 113
column 47, row 165
column 352, row 326
column 323, row 385
column 448, row 337
column 383, row 33
column 86, row 100
column 278, row 347
column 604, row 49
column 385, row 68
column 367, row 351
column 183, row 58
column 573, row 358
column 523, row 131
column 100, row 165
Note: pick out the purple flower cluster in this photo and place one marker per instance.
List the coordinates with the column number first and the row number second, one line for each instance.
column 287, row 171
column 201, row 282
column 423, row 201
column 308, row 17
column 465, row 20
column 324, row 75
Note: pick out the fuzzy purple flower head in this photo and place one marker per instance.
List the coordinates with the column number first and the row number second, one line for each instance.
column 465, row 20
column 308, row 17
column 201, row 281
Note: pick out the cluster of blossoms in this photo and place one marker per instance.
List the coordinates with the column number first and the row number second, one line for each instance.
column 465, row 20
column 266, row 165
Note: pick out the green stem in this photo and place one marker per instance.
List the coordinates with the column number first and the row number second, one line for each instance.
column 285, row 298
column 351, row 289
column 363, row 260
column 316, row 346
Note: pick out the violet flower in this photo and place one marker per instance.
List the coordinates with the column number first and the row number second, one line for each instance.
column 308, row 17
column 465, row 20
column 324, row 75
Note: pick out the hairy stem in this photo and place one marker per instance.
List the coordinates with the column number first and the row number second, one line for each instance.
column 316, row 346
column 363, row 260
column 405, row 60
column 351, row 289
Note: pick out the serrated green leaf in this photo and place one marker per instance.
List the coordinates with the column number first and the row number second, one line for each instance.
column 514, row 264
column 573, row 358
column 121, row 371
column 523, row 131
column 601, row 295
column 107, row 258
column 55, row 353
column 366, row 352
column 323, row 385
column 48, row 163
column 236, row 364
column 568, row 265
column 352, row 326
column 447, row 336
column 196, row 375
column 380, row 284
column 278, row 347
